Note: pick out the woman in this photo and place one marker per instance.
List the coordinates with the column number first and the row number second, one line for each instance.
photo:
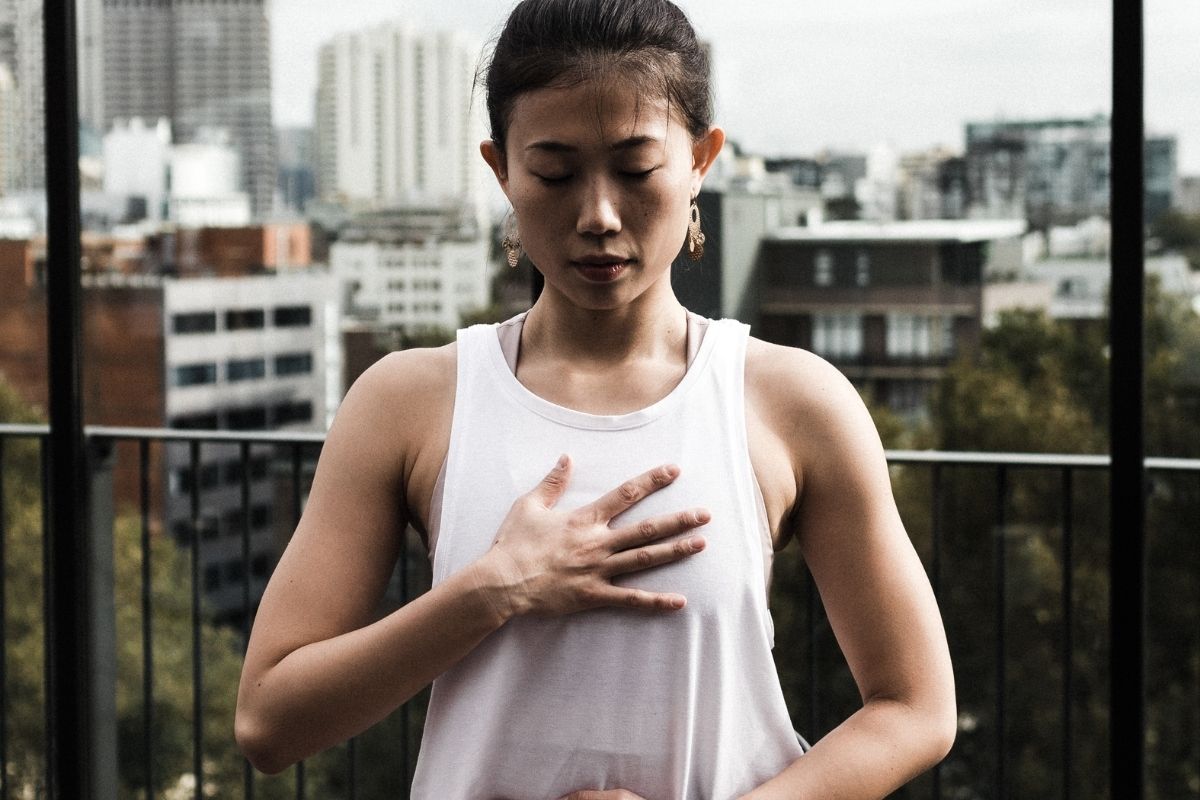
column 600, row 631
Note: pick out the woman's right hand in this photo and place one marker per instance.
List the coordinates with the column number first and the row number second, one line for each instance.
column 551, row 562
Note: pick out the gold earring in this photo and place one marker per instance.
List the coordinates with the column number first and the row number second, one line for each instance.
column 511, row 243
column 695, row 235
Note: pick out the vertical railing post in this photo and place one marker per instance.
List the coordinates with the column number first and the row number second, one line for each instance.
column 1127, row 431
column 102, row 640
column 70, row 761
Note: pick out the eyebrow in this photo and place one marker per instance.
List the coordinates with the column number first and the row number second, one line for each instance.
column 551, row 146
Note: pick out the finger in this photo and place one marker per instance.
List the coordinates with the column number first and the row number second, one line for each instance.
column 652, row 529
column 641, row 558
column 551, row 488
column 640, row 599
column 635, row 489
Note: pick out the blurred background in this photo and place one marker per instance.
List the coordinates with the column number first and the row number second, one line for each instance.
column 276, row 194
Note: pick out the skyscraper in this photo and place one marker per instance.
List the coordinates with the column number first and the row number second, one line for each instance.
column 395, row 122
column 201, row 65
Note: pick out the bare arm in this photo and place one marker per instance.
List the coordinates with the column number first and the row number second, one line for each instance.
column 873, row 586
column 318, row 671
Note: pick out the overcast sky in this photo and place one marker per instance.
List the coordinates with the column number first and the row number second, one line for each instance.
column 796, row 76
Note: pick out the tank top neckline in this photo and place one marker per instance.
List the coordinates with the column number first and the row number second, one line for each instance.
column 581, row 419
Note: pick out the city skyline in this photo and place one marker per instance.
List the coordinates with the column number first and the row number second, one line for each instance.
column 922, row 70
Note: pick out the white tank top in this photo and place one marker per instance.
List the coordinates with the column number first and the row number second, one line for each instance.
column 680, row 705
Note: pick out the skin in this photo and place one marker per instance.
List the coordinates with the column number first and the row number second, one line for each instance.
column 590, row 188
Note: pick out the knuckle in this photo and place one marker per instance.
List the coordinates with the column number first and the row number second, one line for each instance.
column 645, row 530
column 644, row 559
column 553, row 481
column 686, row 519
column 660, row 476
column 628, row 491
column 631, row 598
column 681, row 548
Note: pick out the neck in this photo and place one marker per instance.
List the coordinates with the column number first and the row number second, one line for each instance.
column 652, row 327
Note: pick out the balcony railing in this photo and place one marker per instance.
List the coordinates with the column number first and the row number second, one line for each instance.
column 985, row 525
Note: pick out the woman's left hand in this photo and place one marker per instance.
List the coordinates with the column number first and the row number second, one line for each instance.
column 608, row 794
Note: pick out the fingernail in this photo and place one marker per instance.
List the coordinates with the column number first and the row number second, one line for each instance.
column 678, row 602
column 672, row 471
column 562, row 462
column 696, row 543
column 703, row 517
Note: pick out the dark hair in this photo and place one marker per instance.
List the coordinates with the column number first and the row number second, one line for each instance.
column 565, row 42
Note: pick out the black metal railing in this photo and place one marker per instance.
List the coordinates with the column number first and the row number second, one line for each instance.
column 1001, row 493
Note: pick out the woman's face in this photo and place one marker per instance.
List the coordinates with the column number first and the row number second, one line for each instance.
column 601, row 181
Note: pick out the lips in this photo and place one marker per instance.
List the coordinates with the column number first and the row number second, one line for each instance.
column 601, row 268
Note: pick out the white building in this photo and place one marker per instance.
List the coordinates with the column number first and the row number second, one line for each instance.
column 204, row 177
column 194, row 184
column 395, row 121
column 411, row 273
column 253, row 353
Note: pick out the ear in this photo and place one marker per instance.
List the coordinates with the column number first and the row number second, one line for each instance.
column 495, row 159
column 704, row 154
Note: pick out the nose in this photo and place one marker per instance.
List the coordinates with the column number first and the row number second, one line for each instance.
column 599, row 209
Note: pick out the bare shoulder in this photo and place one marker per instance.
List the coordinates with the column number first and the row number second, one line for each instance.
column 398, row 411
column 801, row 393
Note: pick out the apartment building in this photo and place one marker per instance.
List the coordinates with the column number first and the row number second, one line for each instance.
column 395, row 121
column 890, row 304
column 415, row 269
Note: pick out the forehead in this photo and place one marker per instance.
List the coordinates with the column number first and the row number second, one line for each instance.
column 593, row 113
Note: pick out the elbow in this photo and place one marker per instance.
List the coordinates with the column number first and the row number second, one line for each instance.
column 941, row 727
column 257, row 745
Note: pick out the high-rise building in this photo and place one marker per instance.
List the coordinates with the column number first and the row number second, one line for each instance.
column 89, row 26
column 201, row 65
column 395, row 119
column 24, row 121
column 1055, row 171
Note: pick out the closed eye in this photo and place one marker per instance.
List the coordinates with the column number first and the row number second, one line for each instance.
column 640, row 175
column 551, row 180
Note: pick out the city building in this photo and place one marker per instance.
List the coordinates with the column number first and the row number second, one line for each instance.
column 1055, row 171
column 889, row 304
column 1076, row 289
column 931, row 185
column 735, row 214
column 1187, row 194
column 297, row 160
column 193, row 184
column 201, row 65
column 21, row 43
column 415, row 269
column 247, row 352
column 395, row 121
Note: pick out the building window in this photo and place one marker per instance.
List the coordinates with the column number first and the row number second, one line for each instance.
column 292, row 317
column 198, row 322
column 243, row 319
column 260, row 516
column 247, row 419
column 823, row 268
column 194, row 375
column 245, row 369
column 294, row 364
column 837, row 335
column 862, row 269
column 287, row 413
column 919, row 335
column 212, row 577
column 195, row 422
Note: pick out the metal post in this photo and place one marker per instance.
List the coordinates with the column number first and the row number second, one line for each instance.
column 1127, row 431
column 102, row 637
column 70, row 759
